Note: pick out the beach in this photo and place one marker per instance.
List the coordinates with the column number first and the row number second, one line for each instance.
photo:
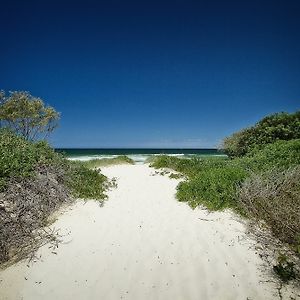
column 142, row 244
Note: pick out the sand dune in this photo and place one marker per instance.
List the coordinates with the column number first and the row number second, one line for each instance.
column 142, row 244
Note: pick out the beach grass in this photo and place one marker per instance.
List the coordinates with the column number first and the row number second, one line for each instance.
column 105, row 162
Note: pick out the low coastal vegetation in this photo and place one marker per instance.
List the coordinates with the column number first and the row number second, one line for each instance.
column 280, row 126
column 105, row 162
column 35, row 180
column 260, row 180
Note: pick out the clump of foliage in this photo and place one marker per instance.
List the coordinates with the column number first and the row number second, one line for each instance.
column 84, row 182
column 189, row 167
column 279, row 126
column 20, row 158
column 211, row 181
column 215, row 188
column 214, row 182
column 285, row 269
column 274, row 197
column 26, row 115
column 280, row 155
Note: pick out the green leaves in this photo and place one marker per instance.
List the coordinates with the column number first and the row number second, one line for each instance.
column 86, row 183
column 21, row 159
column 214, row 187
column 280, row 126
column 26, row 115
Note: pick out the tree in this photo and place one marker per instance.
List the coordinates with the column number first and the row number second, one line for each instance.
column 26, row 115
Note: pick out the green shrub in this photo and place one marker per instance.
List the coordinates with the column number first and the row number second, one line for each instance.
column 85, row 183
column 188, row 166
column 214, row 188
column 20, row 159
column 279, row 126
column 211, row 181
column 279, row 155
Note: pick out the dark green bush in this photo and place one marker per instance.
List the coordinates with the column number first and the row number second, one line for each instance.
column 280, row 155
column 213, row 182
column 21, row 159
column 279, row 126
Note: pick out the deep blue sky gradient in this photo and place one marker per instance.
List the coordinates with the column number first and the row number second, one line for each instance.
column 153, row 73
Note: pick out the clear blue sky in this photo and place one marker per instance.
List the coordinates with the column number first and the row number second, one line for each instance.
column 153, row 73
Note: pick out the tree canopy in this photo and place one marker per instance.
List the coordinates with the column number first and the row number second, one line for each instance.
column 279, row 126
column 27, row 115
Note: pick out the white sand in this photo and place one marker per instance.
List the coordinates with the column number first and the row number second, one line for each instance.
column 143, row 244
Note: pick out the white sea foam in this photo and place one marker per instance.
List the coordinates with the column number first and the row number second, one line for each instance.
column 90, row 157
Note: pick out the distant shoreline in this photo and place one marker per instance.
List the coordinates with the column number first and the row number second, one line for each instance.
column 139, row 155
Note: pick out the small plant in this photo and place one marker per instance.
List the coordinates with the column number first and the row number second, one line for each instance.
column 285, row 269
column 175, row 176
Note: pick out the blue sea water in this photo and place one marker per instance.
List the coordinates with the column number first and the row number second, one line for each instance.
column 138, row 155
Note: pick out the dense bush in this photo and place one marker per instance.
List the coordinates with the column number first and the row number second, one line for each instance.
column 280, row 126
column 214, row 182
column 215, row 188
column 84, row 182
column 279, row 155
column 21, row 159
column 211, row 181
column 274, row 197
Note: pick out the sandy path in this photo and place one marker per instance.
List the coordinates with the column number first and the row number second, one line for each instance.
column 142, row 244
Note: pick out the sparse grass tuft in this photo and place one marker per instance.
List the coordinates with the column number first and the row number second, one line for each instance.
column 104, row 162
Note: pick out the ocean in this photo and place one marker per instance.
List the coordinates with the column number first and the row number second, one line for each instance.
column 138, row 155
